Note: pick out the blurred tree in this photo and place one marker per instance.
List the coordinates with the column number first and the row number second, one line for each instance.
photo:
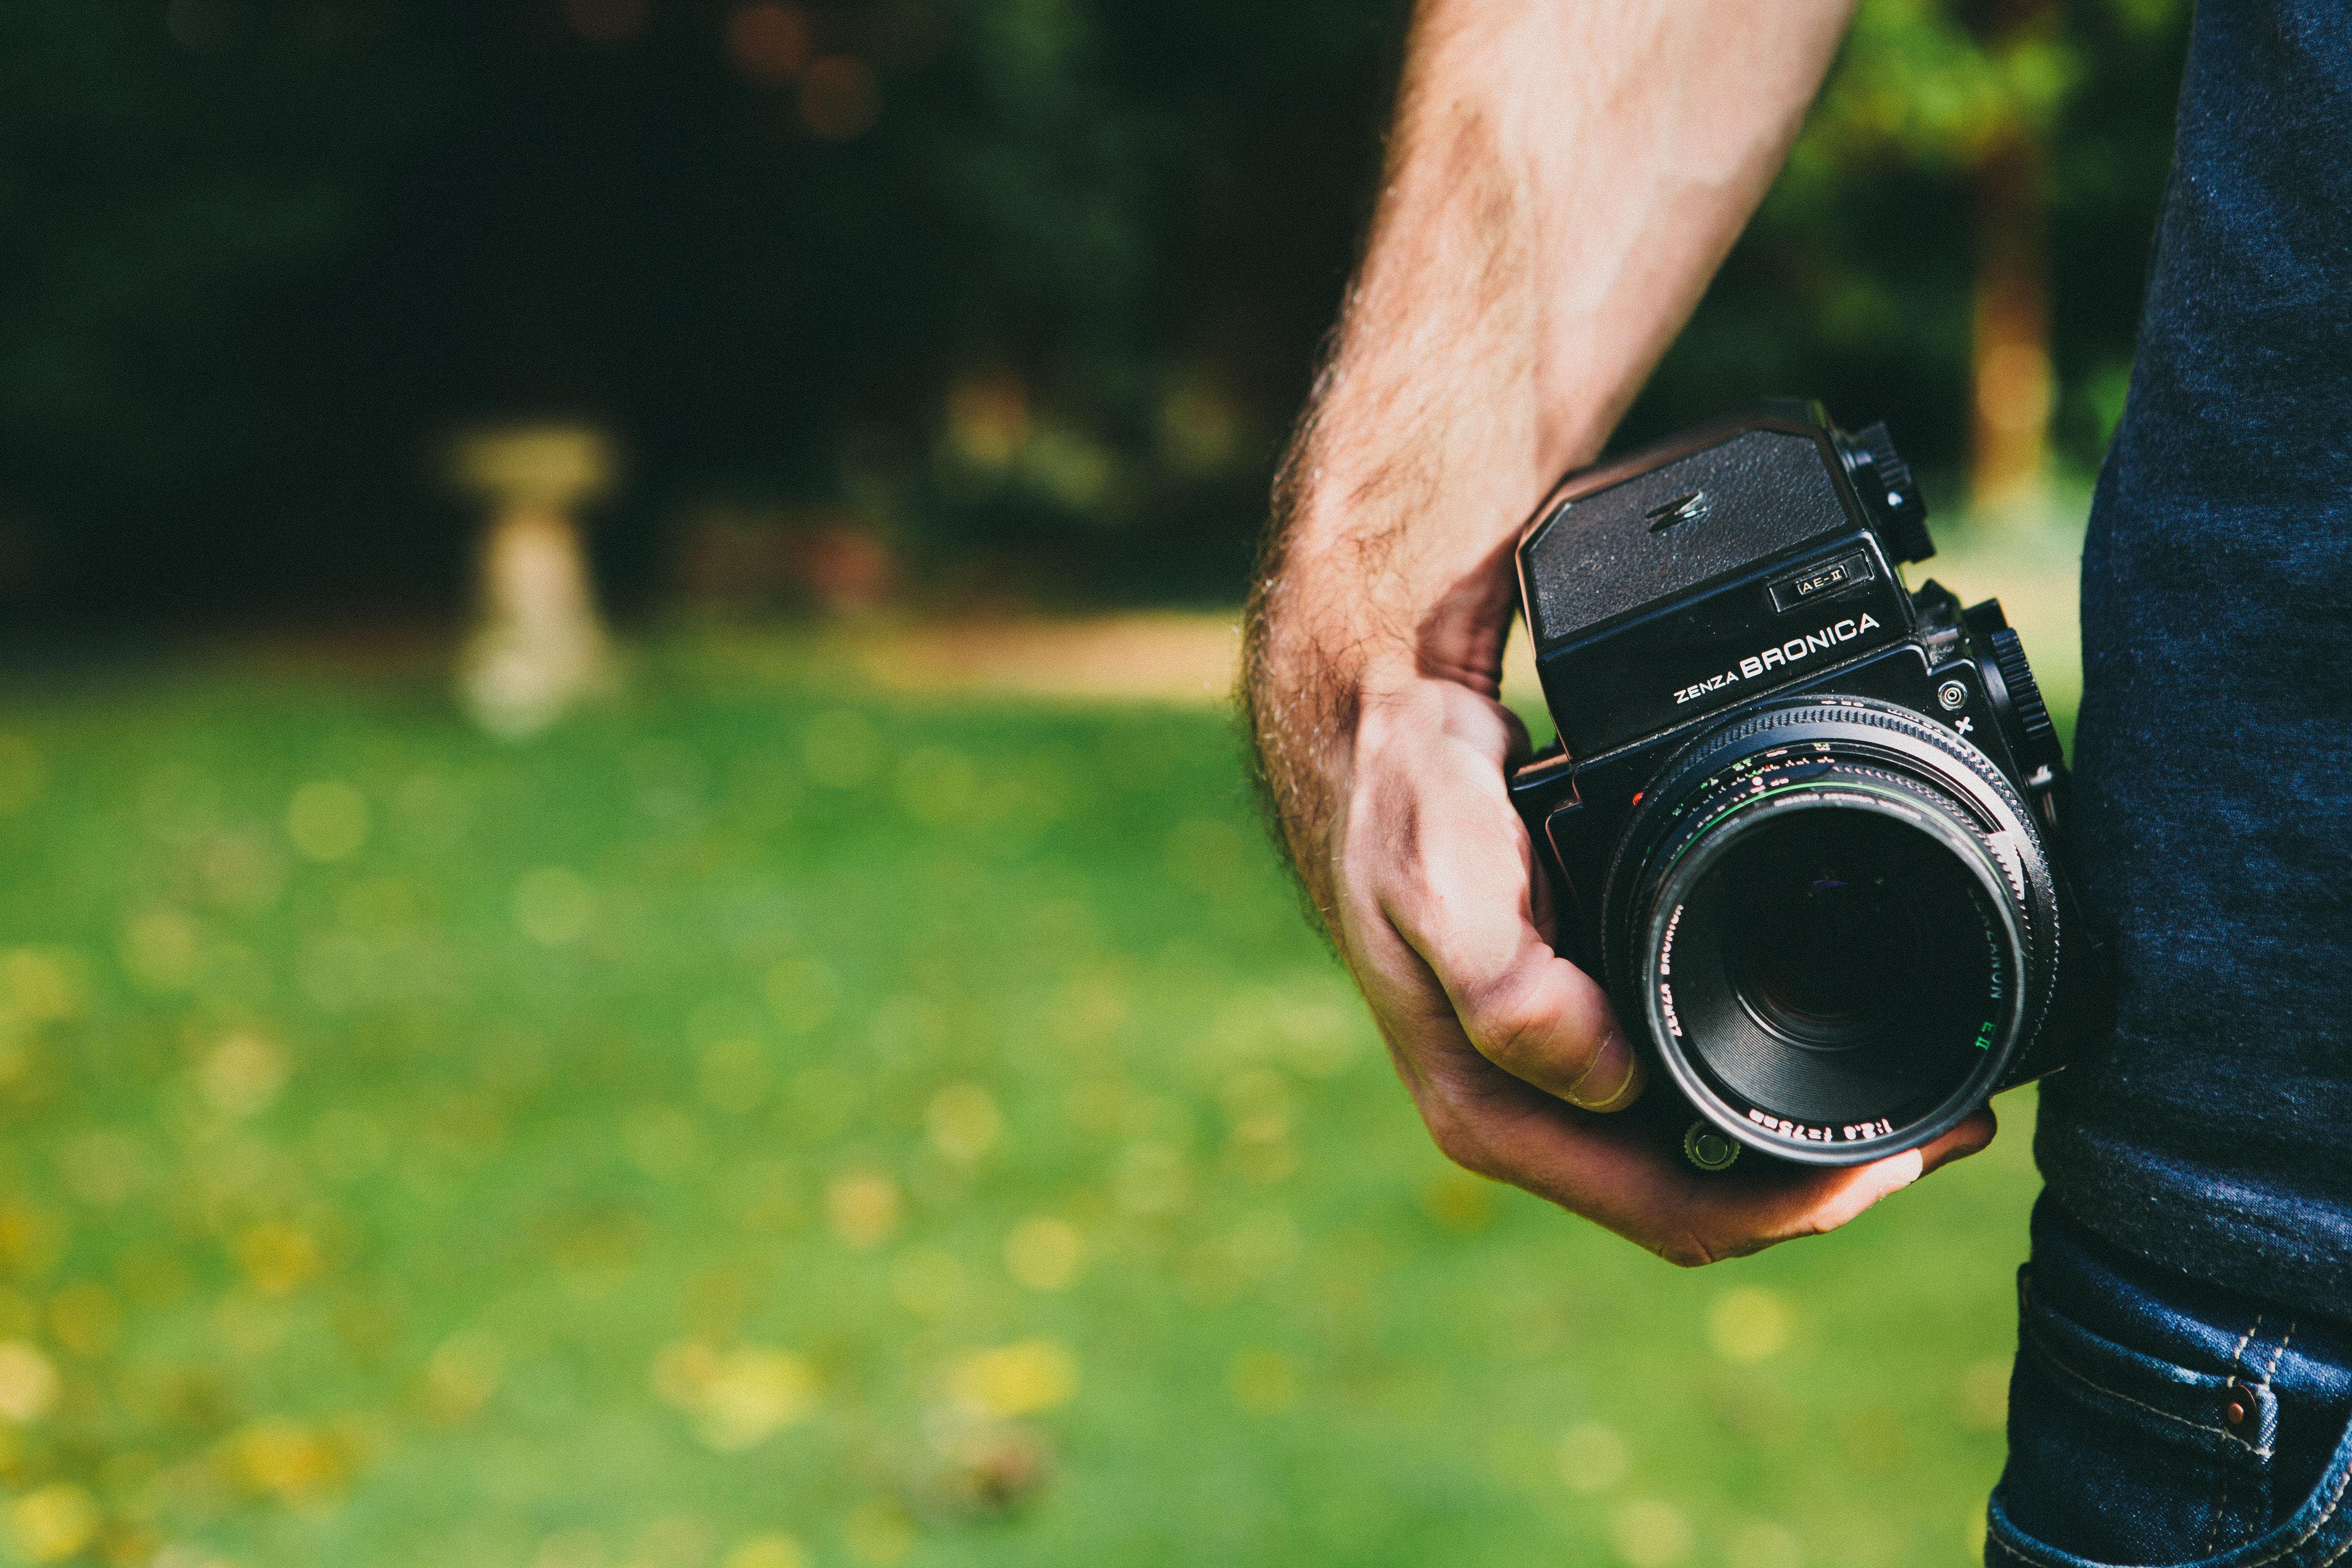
column 1983, row 99
column 1025, row 290
column 168, row 175
column 1962, row 232
column 1032, row 282
column 2009, row 377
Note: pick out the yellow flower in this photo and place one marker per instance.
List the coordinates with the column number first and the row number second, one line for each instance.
column 1016, row 1379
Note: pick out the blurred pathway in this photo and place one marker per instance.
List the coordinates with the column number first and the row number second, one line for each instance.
column 1190, row 658
column 1177, row 658
column 1167, row 657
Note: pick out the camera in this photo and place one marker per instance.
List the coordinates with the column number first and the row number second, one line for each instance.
column 1807, row 826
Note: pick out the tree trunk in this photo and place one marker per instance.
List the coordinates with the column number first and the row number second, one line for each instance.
column 2011, row 374
column 2009, row 385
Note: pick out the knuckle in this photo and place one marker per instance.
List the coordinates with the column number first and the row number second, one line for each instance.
column 1511, row 1027
column 1687, row 1251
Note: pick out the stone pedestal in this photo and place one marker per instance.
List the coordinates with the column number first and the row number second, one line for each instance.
column 539, row 646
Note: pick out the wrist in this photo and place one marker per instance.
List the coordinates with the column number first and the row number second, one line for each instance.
column 1432, row 598
column 1331, row 663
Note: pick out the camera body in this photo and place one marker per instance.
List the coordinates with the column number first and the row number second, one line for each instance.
column 1806, row 825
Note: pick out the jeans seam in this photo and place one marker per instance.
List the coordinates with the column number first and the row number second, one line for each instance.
column 2323, row 1518
column 2334, row 1499
column 2039, row 1343
column 2220, row 1512
column 2013, row 1551
column 2221, row 1502
column 2269, row 1370
column 2281, row 1351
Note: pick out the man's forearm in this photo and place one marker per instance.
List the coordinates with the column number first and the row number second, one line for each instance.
column 1561, row 182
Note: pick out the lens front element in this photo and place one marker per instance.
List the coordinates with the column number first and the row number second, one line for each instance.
column 1832, row 925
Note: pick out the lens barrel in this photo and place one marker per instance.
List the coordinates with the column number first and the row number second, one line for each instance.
column 1841, row 925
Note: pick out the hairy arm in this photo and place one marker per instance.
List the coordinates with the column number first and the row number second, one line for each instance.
column 1562, row 181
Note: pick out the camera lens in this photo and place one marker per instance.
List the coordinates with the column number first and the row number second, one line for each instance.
column 1835, row 932
column 1840, row 924
column 1829, row 964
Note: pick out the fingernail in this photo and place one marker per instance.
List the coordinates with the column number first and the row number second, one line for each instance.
column 1609, row 1077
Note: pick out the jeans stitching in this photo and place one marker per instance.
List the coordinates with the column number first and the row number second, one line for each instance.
column 2269, row 1371
column 2323, row 1518
column 2222, row 1501
column 2334, row 1499
column 2220, row 1512
column 2327, row 1513
column 2013, row 1551
column 2335, row 1495
column 2245, row 1338
column 2052, row 1357
column 2324, row 1515
column 2281, row 1351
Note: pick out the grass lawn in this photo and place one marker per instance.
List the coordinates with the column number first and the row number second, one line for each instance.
column 762, row 1124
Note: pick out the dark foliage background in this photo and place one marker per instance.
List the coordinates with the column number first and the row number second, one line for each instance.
column 1029, row 288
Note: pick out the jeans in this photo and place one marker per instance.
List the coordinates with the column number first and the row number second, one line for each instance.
column 2213, row 765
column 2154, row 1418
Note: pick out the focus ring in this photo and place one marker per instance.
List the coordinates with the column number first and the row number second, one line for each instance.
column 1845, row 712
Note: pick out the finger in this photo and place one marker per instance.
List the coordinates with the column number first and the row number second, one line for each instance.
column 1453, row 869
column 1517, row 1003
column 1969, row 1137
column 1637, row 1184
column 1839, row 1196
column 1622, row 1177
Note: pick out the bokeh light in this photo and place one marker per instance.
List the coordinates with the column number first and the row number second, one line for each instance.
column 839, row 98
column 607, row 22
column 767, row 43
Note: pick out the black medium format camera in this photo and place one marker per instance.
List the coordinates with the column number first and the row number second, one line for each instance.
column 1808, row 827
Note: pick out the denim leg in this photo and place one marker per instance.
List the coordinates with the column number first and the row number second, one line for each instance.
column 2156, row 1420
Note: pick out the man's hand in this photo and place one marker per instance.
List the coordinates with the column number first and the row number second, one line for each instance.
column 1562, row 181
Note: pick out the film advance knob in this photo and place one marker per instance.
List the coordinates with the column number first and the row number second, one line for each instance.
column 1893, row 496
column 2024, row 695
